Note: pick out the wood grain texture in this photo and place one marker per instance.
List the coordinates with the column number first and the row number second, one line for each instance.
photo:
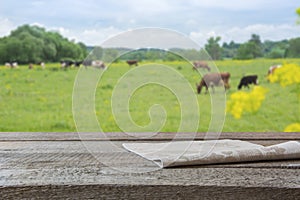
column 59, row 166
column 73, row 136
column 147, row 192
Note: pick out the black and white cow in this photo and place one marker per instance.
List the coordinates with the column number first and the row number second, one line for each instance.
column 11, row 64
column 77, row 63
column 66, row 63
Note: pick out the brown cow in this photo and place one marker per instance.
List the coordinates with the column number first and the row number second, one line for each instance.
column 214, row 79
column 132, row 62
column 200, row 64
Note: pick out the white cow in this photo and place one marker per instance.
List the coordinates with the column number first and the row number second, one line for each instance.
column 14, row 65
column 11, row 65
column 7, row 64
column 43, row 65
column 98, row 64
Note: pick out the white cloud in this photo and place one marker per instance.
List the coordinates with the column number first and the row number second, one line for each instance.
column 92, row 22
column 151, row 38
column 201, row 37
column 240, row 4
column 6, row 27
column 38, row 24
column 242, row 34
column 97, row 36
column 94, row 36
column 266, row 31
column 148, row 6
column 37, row 3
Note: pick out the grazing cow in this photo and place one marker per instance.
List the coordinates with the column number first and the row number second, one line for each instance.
column 77, row 63
column 14, row 65
column 132, row 62
column 62, row 64
column 201, row 64
column 30, row 66
column 7, row 64
column 42, row 64
column 11, row 64
column 66, row 63
column 87, row 63
column 246, row 80
column 214, row 79
column 98, row 64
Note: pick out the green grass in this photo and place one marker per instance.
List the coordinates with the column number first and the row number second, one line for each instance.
column 41, row 100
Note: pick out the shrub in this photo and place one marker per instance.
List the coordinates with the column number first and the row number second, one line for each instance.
column 241, row 101
column 286, row 75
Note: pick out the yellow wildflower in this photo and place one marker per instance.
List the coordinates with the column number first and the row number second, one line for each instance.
column 241, row 101
column 288, row 74
column 295, row 127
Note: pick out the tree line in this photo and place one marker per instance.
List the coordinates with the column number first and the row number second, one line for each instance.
column 253, row 48
column 33, row 44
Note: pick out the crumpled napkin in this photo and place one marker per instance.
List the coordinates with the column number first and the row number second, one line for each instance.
column 181, row 153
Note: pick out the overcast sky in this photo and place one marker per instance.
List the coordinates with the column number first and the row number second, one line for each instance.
column 92, row 21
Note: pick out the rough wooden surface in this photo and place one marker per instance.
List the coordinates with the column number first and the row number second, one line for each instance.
column 72, row 136
column 58, row 165
column 148, row 192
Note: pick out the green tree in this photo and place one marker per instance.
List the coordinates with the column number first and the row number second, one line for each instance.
column 32, row 44
column 245, row 51
column 49, row 52
column 273, row 49
column 294, row 48
column 213, row 48
column 154, row 54
column 83, row 50
column 251, row 49
column 276, row 53
column 13, row 50
column 257, row 44
column 230, row 49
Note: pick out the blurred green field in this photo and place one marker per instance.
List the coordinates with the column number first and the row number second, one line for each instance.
column 41, row 100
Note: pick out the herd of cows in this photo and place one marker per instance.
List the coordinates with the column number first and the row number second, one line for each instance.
column 69, row 63
column 209, row 80
column 222, row 79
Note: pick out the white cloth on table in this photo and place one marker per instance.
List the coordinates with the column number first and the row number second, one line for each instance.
column 181, row 153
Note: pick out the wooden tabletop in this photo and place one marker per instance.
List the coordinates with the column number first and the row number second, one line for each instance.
column 64, row 165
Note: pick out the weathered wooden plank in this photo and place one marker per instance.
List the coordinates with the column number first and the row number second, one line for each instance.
column 41, row 154
column 19, row 136
column 58, row 165
column 147, row 192
column 100, row 174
